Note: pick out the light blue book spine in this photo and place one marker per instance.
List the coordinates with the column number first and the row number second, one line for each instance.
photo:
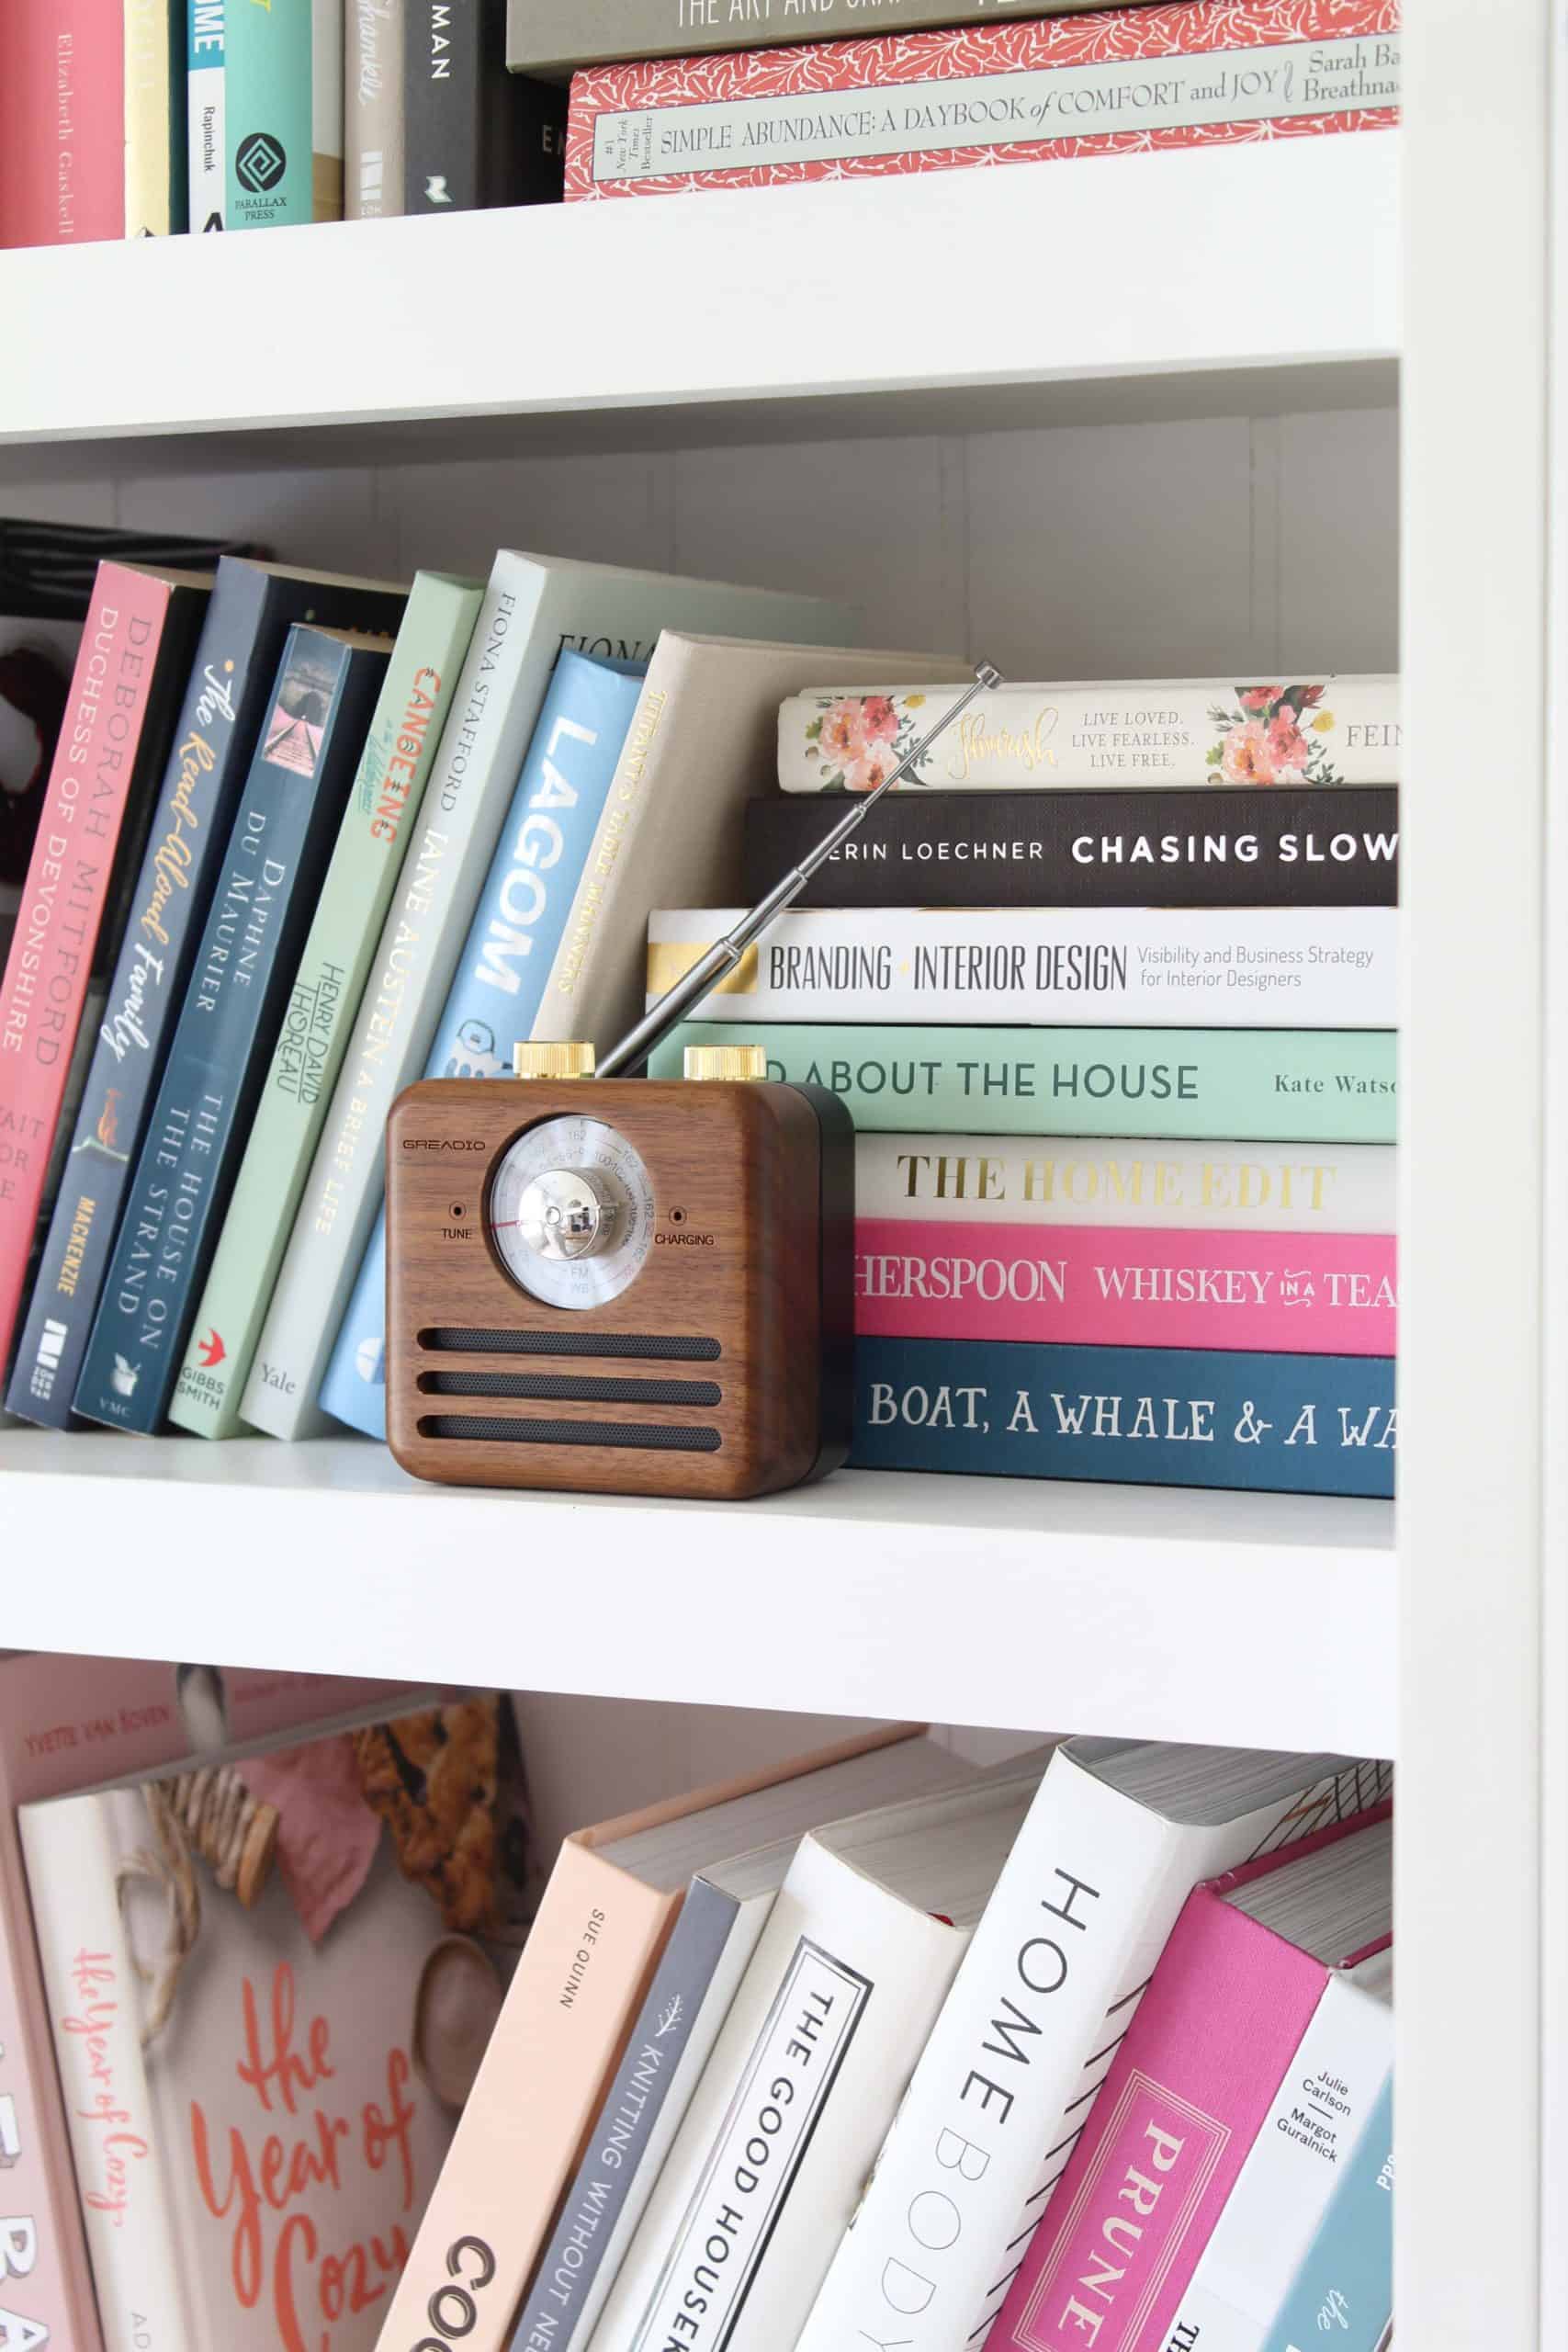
column 506, row 958
column 1343, row 2293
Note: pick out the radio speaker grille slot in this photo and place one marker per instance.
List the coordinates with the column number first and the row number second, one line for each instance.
column 445, row 1340
column 651, row 1440
column 570, row 1387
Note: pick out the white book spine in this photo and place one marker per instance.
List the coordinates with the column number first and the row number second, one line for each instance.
column 845, row 1983
column 1045, row 1993
column 1273, row 968
column 1149, row 732
column 96, row 2021
column 1092, row 1181
column 1283, row 2192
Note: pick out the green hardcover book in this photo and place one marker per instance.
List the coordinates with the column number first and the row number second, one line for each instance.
column 378, row 825
column 282, row 112
column 1253, row 1085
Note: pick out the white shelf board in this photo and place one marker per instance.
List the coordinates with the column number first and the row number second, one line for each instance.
column 1258, row 1619
column 1110, row 282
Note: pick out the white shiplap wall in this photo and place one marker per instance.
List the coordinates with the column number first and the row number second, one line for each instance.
column 1227, row 544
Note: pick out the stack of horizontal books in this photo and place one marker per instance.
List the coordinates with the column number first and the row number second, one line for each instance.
column 1108, row 985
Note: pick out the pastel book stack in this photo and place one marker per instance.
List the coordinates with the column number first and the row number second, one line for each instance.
column 1243, row 2086
column 64, row 1723
column 632, row 782
column 268, row 1974
column 190, row 810
column 1014, row 88
column 613, row 1908
column 1109, row 987
column 1021, row 2050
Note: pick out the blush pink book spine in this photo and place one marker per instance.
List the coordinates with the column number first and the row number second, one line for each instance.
column 51, row 961
column 1166, row 2138
column 66, row 1722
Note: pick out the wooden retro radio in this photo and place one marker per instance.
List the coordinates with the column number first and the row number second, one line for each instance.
column 624, row 1286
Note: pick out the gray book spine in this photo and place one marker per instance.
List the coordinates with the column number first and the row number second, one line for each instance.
column 558, row 2293
column 560, row 36
column 373, row 109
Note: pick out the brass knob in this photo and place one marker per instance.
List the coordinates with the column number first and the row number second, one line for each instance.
column 726, row 1061
column 572, row 1059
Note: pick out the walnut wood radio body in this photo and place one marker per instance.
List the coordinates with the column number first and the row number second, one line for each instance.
column 619, row 1285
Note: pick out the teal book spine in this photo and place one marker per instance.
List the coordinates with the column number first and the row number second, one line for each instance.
column 381, row 819
column 1343, row 2293
column 501, row 973
column 267, row 147
column 1256, row 1086
column 288, row 816
column 1129, row 1417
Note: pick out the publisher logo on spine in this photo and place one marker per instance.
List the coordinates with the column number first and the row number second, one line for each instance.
column 261, row 162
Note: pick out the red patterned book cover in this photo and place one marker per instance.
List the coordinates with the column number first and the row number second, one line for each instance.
column 1192, row 74
column 62, row 122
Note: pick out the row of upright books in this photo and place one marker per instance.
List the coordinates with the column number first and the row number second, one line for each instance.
column 148, row 117
column 870, row 2044
column 141, row 117
column 1118, row 1041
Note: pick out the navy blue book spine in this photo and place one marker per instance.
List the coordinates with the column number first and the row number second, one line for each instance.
column 243, row 636
column 280, row 840
column 1136, row 1416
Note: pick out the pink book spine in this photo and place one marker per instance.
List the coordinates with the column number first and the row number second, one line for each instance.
column 62, row 899
column 1166, row 2138
column 1298, row 1294
column 65, row 1722
column 1353, row 89
column 91, row 190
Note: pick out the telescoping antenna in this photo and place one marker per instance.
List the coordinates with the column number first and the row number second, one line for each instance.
column 724, row 954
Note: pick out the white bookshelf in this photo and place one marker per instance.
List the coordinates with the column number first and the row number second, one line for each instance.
column 1134, row 416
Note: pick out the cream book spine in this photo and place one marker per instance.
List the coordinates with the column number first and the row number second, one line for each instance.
column 1089, row 1180
column 95, row 2021
column 1149, row 732
column 700, row 745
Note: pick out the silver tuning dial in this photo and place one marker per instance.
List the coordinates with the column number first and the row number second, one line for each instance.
column 570, row 1212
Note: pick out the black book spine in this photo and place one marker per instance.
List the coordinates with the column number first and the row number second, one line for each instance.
column 474, row 136
column 1214, row 847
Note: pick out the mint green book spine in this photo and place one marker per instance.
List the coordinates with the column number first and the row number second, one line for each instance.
column 1251, row 1085
column 269, row 70
column 379, row 823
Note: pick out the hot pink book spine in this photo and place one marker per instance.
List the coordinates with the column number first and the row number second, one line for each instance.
column 66, row 1722
column 1166, row 2138
column 870, row 139
column 1296, row 1293
column 63, row 901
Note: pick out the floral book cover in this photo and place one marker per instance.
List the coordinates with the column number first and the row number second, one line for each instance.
column 271, row 1982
